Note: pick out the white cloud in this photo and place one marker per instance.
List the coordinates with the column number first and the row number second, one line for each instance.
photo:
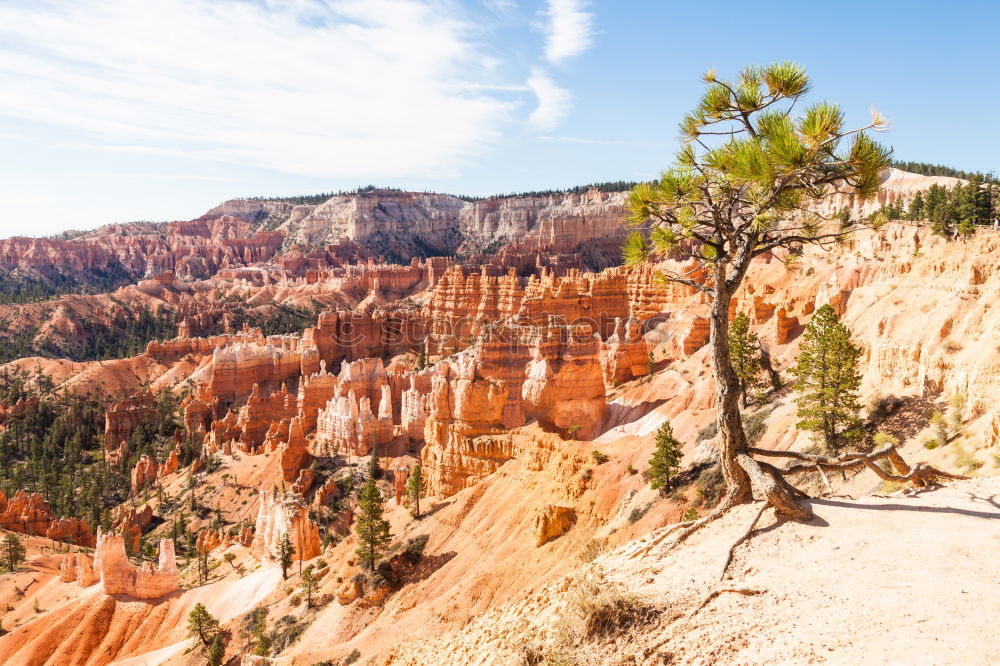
column 553, row 102
column 569, row 31
column 584, row 141
column 325, row 88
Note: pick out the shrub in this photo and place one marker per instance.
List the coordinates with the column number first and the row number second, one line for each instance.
column 956, row 412
column 638, row 513
column 754, row 426
column 599, row 458
column 940, row 427
column 352, row 657
column 966, row 461
column 708, row 432
column 690, row 514
column 586, row 473
column 414, row 549
column 883, row 439
column 593, row 549
column 882, row 407
column 630, row 469
column 931, row 444
column 710, row 485
column 286, row 631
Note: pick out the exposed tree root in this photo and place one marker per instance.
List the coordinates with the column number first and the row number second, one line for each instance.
column 743, row 538
column 768, row 483
column 745, row 591
column 920, row 475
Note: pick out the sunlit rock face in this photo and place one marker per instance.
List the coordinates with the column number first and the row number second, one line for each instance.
column 119, row 576
column 277, row 515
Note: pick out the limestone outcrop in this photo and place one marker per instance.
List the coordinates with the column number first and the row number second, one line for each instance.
column 462, row 406
column 119, row 576
column 247, row 427
column 293, row 454
column 237, row 368
column 131, row 522
column 624, row 355
column 121, row 418
column 552, row 522
column 78, row 567
column 564, row 381
column 29, row 513
column 279, row 514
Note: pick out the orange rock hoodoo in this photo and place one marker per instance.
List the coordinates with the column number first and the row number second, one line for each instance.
column 279, row 514
column 119, row 576
column 78, row 567
column 29, row 513
column 462, row 406
column 123, row 417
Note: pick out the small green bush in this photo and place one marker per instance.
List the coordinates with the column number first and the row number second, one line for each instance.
column 414, row 549
column 599, row 458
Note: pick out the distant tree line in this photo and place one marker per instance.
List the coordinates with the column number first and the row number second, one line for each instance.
column 313, row 199
column 279, row 319
column 926, row 169
column 126, row 334
column 958, row 210
column 17, row 288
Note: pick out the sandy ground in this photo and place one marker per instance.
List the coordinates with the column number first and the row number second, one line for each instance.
column 903, row 579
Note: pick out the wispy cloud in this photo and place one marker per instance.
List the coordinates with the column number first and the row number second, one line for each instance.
column 152, row 175
column 325, row 88
column 569, row 29
column 553, row 102
column 583, row 141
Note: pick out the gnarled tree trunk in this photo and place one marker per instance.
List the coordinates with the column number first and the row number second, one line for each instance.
column 745, row 477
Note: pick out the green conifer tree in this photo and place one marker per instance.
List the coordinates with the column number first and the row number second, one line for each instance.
column 372, row 528
column 12, row 551
column 216, row 651
column 285, row 553
column 744, row 353
column 309, row 585
column 415, row 488
column 827, row 382
column 666, row 458
column 202, row 624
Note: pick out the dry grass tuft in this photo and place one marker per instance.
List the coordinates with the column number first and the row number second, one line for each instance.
column 603, row 608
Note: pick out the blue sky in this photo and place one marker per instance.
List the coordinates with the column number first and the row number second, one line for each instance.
column 121, row 110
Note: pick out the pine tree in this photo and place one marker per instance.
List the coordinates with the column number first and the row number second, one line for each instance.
column 372, row 527
column 415, row 488
column 202, row 624
column 744, row 353
column 309, row 585
column 966, row 228
column 12, row 551
column 666, row 458
column 216, row 651
column 285, row 553
column 916, row 210
column 374, row 466
column 827, row 382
